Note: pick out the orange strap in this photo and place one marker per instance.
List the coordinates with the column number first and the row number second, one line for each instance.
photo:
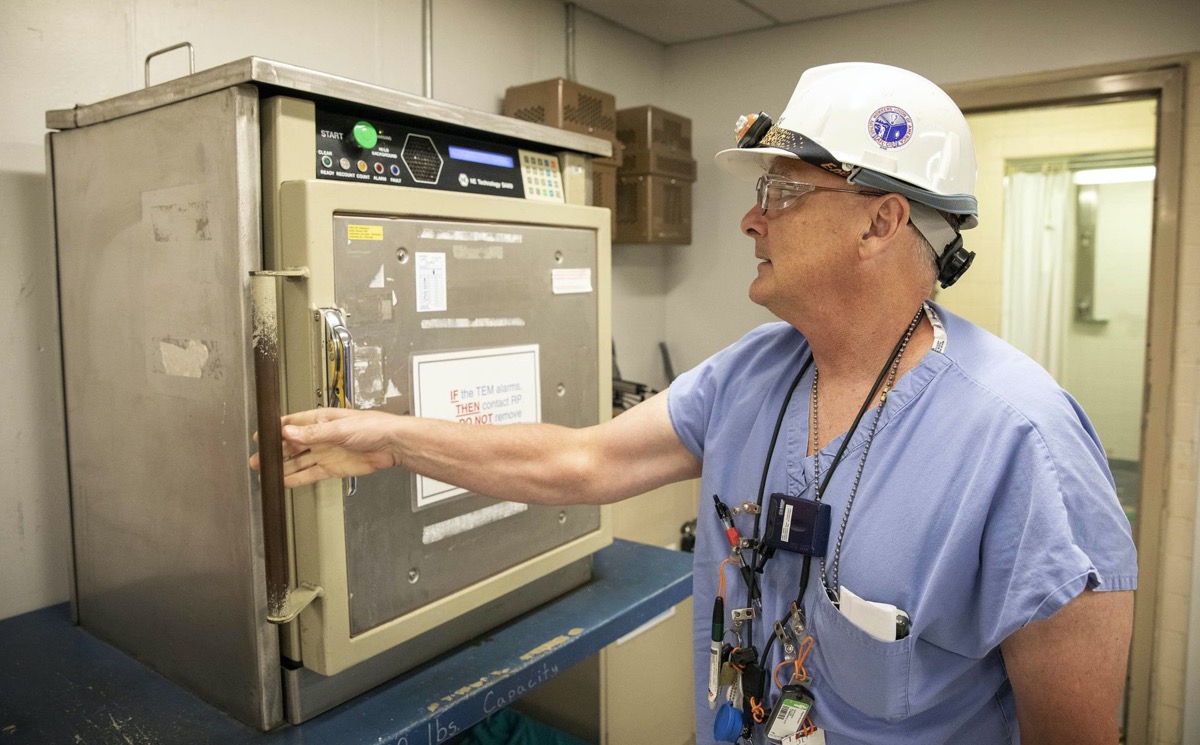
column 756, row 708
column 721, row 580
column 802, row 651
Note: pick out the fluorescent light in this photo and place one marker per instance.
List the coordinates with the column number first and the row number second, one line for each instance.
column 1114, row 175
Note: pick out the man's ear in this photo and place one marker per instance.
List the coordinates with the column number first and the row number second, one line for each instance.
column 887, row 217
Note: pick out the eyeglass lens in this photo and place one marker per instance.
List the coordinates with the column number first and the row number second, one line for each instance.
column 786, row 192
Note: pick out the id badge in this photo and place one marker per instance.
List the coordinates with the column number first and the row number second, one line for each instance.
column 787, row 718
column 798, row 525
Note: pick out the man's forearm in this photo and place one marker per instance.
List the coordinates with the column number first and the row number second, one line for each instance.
column 537, row 463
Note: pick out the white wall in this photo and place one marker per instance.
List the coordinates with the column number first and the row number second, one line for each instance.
column 948, row 41
column 55, row 55
column 1105, row 362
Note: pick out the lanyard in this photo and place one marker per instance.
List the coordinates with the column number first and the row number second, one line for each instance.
column 762, row 553
column 887, row 372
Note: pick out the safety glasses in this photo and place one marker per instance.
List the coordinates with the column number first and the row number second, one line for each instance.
column 777, row 193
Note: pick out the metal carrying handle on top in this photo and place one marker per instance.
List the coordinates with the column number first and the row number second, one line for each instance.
column 173, row 47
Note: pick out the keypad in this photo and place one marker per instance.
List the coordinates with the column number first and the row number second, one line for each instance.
column 541, row 177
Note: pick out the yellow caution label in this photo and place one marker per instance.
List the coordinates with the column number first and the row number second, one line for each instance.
column 364, row 232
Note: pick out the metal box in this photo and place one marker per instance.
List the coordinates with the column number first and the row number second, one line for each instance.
column 652, row 128
column 653, row 209
column 400, row 275
column 565, row 104
column 660, row 162
column 618, row 156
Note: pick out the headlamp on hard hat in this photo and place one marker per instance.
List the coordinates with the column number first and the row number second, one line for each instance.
column 749, row 129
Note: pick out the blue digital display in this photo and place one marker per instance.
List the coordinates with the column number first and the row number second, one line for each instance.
column 480, row 156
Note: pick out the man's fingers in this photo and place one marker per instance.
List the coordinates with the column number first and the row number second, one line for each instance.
column 305, row 477
column 298, row 463
column 315, row 416
column 309, row 434
column 308, row 469
column 314, row 447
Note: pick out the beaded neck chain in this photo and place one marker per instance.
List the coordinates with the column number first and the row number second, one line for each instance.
column 832, row 588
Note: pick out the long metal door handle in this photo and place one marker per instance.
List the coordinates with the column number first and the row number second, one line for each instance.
column 284, row 602
column 339, row 365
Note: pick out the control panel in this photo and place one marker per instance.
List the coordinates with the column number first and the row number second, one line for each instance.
column 374, row 151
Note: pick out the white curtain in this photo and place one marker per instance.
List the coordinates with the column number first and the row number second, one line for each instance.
column 1037, row 212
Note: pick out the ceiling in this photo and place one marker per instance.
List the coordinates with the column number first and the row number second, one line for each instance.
column 678, row 21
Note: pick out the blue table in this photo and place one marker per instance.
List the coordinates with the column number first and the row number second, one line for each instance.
column 59, row 684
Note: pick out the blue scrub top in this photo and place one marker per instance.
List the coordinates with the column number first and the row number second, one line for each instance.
column 986, row 503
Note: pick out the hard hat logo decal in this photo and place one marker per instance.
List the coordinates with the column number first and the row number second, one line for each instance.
column 890, row 127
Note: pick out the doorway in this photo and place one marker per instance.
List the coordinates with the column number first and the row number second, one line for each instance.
column 1071, row 224
column 1011, row 120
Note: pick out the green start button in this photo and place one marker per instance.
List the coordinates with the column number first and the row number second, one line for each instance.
column 364, row 135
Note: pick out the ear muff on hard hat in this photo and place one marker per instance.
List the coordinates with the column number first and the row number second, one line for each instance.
column 952, row 260
column 884, row 128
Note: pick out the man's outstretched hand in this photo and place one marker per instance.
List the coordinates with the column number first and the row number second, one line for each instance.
column 332, row 443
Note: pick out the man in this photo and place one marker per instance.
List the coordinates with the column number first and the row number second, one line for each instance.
column 951, row 486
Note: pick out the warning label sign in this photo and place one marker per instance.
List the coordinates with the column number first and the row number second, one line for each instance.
column 364, row 232
column 480, row 386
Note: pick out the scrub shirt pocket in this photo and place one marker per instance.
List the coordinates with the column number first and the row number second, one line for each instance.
column 869, row 674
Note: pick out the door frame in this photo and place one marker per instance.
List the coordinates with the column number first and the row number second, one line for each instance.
column 1162, row 79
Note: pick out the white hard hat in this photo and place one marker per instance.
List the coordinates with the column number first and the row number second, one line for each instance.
column 879, row 126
